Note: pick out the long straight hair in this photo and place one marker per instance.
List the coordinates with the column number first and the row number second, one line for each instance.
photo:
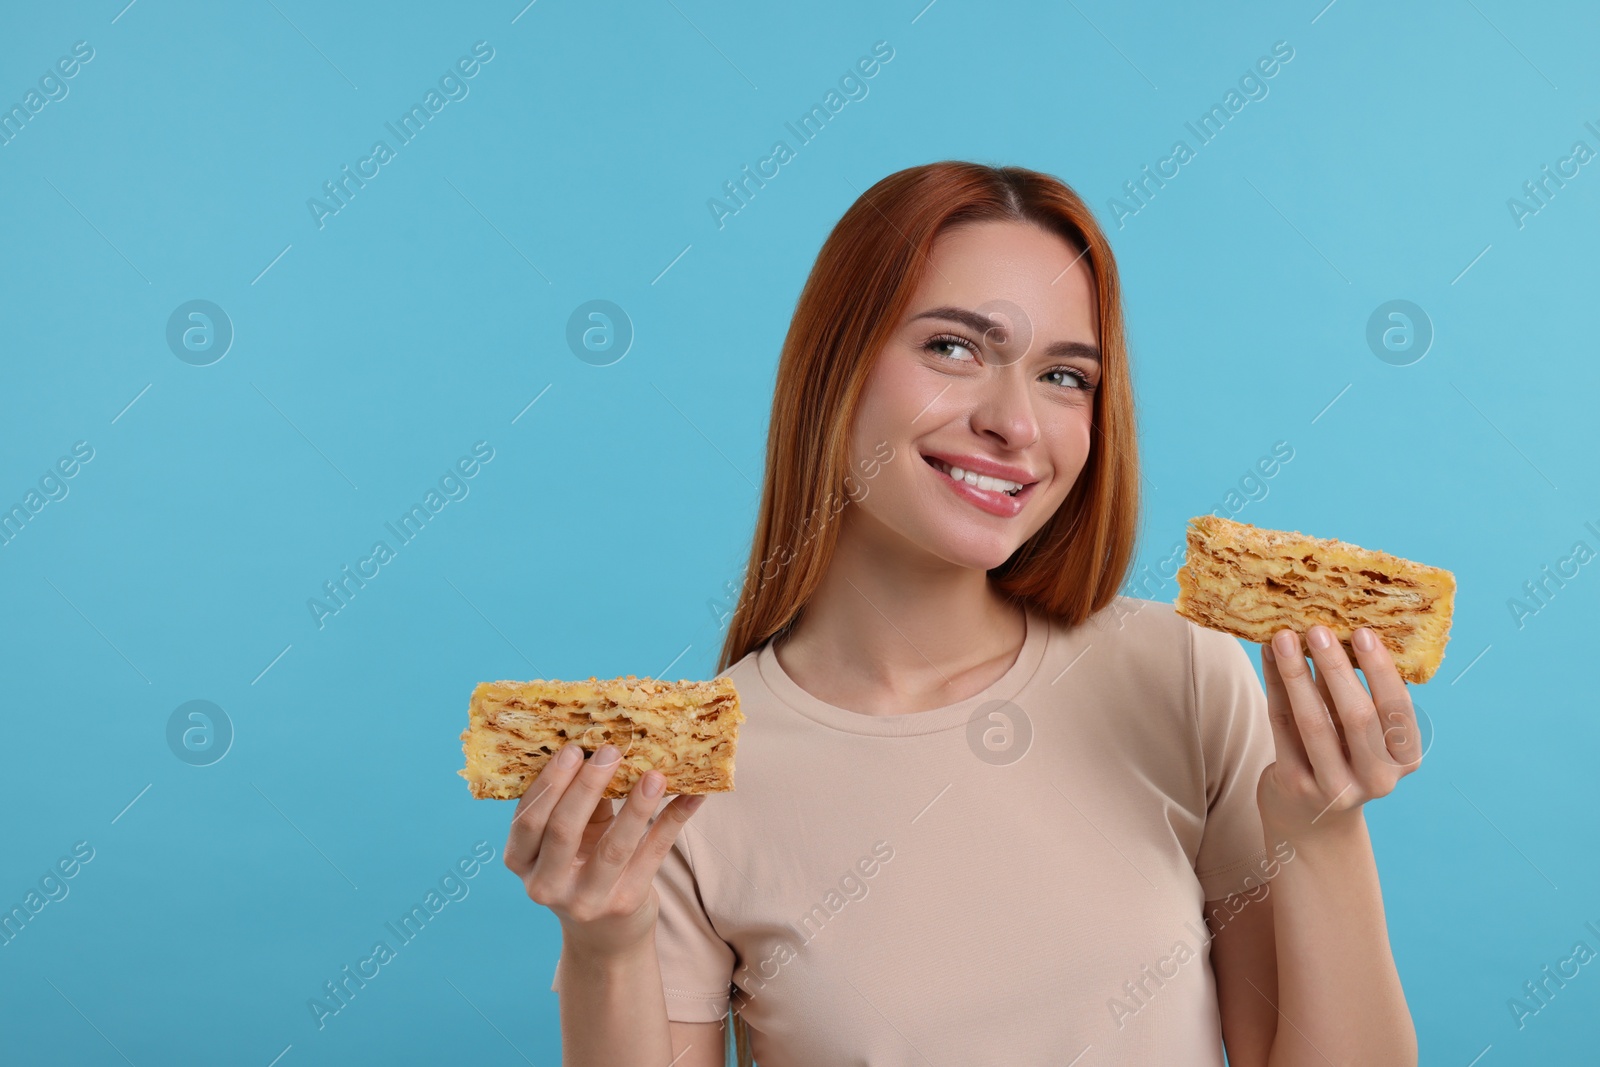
column 859, row 289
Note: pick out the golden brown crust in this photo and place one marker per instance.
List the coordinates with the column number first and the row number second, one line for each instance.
column 1251, row 582
column 688, row 730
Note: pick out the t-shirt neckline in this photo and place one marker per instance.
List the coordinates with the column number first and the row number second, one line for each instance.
column 1007, row 686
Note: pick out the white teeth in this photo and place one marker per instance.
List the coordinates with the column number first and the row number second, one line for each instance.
column 982, row 481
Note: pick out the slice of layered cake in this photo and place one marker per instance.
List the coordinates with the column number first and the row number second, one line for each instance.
column 1251, row 582
column 686, row 730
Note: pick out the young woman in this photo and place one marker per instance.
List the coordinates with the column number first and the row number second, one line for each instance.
column 988, row 810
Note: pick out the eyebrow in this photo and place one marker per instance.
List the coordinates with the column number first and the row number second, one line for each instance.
column 982, row 324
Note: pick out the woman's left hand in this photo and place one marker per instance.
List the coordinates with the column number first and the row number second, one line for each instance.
column 1337, row 745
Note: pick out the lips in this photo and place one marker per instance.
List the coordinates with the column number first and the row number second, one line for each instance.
column 993, row 501
column 973, row 478
column 982, row 465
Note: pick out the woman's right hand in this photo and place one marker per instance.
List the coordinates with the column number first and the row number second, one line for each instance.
column 593, row 867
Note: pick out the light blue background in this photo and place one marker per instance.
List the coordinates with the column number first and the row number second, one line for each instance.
column 432, row 310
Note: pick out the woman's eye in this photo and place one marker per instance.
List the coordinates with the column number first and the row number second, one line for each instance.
column 942, row 345
column 1068, row 377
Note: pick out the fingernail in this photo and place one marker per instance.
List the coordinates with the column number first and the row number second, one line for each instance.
column 1320, row 636
column 651, row 786
column 1365, row 640
column 1286, row 644
column 607, row 755
column 692, row 804
column 569, row 756
column 1266, row 652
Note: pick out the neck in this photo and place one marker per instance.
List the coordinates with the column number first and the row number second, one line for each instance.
column 891, row 630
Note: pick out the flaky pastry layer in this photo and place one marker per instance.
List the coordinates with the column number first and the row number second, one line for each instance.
column 1251, row 582
column 687, row 730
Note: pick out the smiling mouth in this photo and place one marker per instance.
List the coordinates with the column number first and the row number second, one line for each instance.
column 980, row 481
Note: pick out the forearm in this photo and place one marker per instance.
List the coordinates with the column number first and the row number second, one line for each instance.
column 1339, row 996
column 613, row 1009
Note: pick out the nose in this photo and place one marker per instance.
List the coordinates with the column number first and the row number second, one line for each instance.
column 1004, row 409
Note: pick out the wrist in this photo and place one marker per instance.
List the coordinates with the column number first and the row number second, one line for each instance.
column 1332, row 828
column 584, row 953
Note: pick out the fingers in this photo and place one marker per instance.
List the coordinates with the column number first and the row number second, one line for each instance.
column 1286, row 741
column 616, row 846
column 1369, row 756
column 533, row 809
column 1396, row 715
column 573, row 811
column 633, row 845
column 1328, row 702
column 1311, row 716
column 641, row 869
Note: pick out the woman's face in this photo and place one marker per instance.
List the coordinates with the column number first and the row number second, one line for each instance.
column 993, row 373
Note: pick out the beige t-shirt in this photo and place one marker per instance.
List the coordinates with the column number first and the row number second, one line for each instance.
column 1018, row 877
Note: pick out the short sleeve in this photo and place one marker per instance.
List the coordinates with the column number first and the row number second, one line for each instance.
column 696, row 964
column 1236, row 745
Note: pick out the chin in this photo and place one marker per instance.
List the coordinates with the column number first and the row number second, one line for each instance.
column 983, row 554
